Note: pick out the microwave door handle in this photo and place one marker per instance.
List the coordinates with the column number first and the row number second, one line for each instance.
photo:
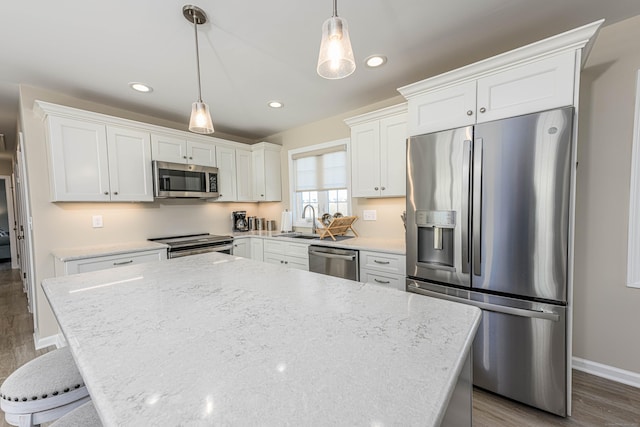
column 477, row 206
column 466, row 191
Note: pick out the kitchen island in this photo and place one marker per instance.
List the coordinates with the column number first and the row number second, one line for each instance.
column 214, row 339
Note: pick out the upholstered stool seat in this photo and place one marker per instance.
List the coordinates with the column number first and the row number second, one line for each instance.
column 83, row 416
column 43, row 389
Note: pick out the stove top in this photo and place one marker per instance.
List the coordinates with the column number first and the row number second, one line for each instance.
column 193, row 240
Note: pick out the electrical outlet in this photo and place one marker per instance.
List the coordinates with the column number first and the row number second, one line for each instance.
column 369, row 215
column 96, row 220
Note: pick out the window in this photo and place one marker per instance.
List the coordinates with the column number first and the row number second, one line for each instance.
column 319, row 176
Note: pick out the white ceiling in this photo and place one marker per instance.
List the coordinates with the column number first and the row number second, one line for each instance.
column 254, row 51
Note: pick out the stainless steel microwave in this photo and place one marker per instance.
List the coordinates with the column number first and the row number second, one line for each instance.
column 182, row 180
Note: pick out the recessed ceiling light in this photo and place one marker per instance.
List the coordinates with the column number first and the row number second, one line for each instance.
column 275, row 104
column 375, row 61
column 140, row 87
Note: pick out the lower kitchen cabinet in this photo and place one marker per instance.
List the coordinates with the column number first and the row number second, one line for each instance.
column 242, row 247
column 104, row 262
column 257, row 249
column 289, row 254
column 383, row 269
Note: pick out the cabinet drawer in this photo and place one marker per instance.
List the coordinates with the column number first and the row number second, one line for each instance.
column 112, row 261
column 274, row 247
column 390, row 280
column 298, row 250
column 378, row 261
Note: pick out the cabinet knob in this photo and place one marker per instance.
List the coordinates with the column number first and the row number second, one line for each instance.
column 184, row 157
column 281, row 262
column 469, row 113
column 375, row 188
column 383, row 188
column 190, row 158
column 115, row 193
column 286, row 262
column 106, row 193
column 483, row 110
column 262, row 195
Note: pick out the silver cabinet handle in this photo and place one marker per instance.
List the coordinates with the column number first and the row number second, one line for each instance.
column 123, row 262
column 483, row 110
column 386, row 282
column 469, row 113
column 380, row 262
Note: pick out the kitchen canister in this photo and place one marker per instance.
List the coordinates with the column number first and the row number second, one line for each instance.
column 286, row 223
column 271, row 225
column 261, row 224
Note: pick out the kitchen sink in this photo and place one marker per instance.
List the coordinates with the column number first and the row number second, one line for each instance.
column 298, row 236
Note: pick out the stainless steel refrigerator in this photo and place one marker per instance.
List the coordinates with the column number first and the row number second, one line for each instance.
column 488, row 225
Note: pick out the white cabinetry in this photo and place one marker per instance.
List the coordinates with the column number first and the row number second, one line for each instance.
column 92, row 162
column 257, row 249
column 104, row 262
column 168, row 148
column 474, row 94
column 383, row 269
column 267, row 183
column 378, row 153
column 243, row 175
column 226, row 174
column 242, row 247
column 289, row 254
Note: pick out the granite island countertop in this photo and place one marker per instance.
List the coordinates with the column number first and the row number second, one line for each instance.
column 214, row 339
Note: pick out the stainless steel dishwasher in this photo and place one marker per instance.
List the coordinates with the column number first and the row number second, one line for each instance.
column 334, row 262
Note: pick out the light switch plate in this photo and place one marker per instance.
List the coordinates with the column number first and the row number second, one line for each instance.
column 96, row 220
column 369, row 215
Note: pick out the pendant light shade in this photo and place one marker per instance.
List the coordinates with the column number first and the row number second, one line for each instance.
column 200, row 121
column 335, row 60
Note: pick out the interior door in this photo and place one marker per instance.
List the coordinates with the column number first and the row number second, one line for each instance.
column 521, row 205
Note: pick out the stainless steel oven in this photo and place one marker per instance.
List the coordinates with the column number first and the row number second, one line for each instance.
column 194, row 244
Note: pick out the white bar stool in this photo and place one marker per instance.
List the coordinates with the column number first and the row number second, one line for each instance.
column 43, row 389
column 83, row 416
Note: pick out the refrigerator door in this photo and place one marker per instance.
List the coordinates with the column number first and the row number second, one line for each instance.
column 521, row 205
column 438, row 190
column 520, row 348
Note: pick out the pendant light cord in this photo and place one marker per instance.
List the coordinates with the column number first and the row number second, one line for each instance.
column 335, row 8
column 195, row 27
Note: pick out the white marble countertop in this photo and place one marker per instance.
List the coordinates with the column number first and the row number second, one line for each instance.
column 68, row 254
column 214, row 339
column 394, row 246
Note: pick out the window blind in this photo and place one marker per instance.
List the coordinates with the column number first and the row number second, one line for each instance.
column 318, row 170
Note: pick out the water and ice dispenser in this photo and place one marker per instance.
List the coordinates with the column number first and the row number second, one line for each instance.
column 436, row 239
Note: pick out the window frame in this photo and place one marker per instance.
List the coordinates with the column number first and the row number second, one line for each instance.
column 292, row 185
column 633, row 257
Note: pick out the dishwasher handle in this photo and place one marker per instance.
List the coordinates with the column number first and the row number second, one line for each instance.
column 332, row 256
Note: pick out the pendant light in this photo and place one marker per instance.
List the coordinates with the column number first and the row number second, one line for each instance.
column 335, row 60
column 200, row 121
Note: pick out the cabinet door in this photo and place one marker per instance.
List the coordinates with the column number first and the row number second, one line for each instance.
column 257, row 249
column 130, row 174
column 272, row 176
column 242, row 248
column 443, row 109
column 365, row 160
column 393, row 156
column 226, row 173
column 243, row 175
column 168, row 148
column 529, row 88
column 274, row 258
column 201, row 153
column 259, row 185
column 79, row 163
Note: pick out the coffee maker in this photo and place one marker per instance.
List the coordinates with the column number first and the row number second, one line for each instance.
column 240, row 221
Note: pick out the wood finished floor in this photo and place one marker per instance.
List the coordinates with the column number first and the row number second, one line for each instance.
column 596, row 401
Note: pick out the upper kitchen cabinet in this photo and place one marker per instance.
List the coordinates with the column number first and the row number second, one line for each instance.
column 244, row 175
column 378, row 152
column 226, row 174
column 536, row 77
column 267, row 182
column 90, row 161
column 168, row 148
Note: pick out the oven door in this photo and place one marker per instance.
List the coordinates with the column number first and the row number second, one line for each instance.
column 225, row 249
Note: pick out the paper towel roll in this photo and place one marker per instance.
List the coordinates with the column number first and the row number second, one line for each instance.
column 286, row 224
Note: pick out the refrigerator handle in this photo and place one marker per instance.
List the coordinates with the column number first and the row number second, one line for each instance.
column 477, row 206
column 466, row 193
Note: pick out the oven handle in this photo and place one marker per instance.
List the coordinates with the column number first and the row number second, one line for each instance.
column 220, row 248
column 332, row 256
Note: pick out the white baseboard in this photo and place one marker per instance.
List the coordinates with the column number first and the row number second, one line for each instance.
column 608, row 372
column 42, row 342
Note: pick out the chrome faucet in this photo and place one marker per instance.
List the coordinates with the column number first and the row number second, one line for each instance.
column 313, row 217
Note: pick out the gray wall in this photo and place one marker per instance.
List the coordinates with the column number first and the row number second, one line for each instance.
column 607, row 312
